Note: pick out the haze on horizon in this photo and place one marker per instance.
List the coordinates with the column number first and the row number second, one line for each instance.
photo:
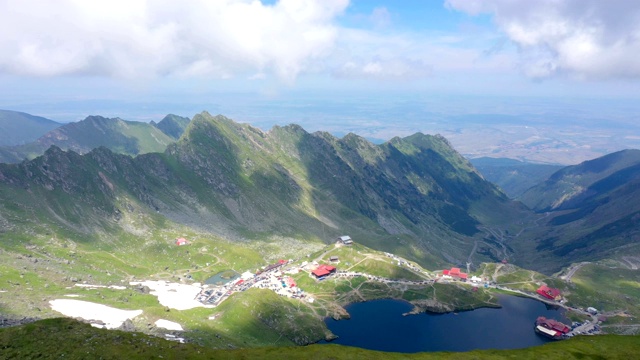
column 547, row 77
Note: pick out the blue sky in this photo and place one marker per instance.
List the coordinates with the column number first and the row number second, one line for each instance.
column 68, row 59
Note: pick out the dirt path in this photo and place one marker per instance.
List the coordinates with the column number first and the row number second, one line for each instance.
column 572, row 270
column 628, row 259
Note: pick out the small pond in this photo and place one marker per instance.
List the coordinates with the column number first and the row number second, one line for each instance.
column 222, row 277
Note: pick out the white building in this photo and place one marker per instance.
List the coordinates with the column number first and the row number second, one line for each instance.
column 345, row 239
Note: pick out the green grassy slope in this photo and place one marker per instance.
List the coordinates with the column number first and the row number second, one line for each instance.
column 69, row 339
column 173, row 125
column 415, row 197
column 591, row 213
column 125, row 137
column 573, row 184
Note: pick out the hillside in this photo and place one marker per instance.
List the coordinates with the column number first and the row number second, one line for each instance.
column 570, row 186
column 245, row 198
column 56, row 338
column 121, row 136
column 591, row 211
column 514, row 177
column 414, row 196
column 172, row 125
column 17, row 128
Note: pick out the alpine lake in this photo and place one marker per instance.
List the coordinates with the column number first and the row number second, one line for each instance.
column 380, row 325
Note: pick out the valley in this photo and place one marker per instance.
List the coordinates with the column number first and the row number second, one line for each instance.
column 101, row 227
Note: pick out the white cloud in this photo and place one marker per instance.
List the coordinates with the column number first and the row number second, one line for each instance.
column 592, row 39
column 146, row 39
column 223, row 39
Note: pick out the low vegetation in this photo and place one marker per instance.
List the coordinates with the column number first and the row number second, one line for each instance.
column 70, row 339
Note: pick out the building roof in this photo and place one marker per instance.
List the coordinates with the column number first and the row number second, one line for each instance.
column 445, row 272
column 547, row 331
column 454, row 271
column 345, row 237
column 319, row 272
column 323, row 270
column 463, row 275
column 549, row 293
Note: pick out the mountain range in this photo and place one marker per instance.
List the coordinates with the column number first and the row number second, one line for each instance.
column 105, row 201
column 415, row 196
column 590, row 210
column 121, row 136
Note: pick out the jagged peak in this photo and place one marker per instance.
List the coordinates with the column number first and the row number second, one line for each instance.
column 356, row 141
column 325, row 135
column 170, row 117
column 101, row 119
column 293, row 129
column 53, row 150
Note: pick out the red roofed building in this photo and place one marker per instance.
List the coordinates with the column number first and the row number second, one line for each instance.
column 323, row 270
column 549, row 293
column 455, row 273
column 181, row 241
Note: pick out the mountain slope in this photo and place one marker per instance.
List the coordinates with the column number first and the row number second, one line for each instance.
column 18, row 128
column 591, row 210
column 514, row 177
column 70, row 339
column 172, row 125
column 572, row 183
column 414, row 196
column 126, row 137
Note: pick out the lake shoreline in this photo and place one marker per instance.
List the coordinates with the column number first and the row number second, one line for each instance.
column 516, row 315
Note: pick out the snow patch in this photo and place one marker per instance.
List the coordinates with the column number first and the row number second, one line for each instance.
column 174, row 295
column 111, row 317
column 169, row 325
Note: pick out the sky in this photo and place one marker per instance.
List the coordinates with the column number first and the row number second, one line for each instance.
column 138, row 59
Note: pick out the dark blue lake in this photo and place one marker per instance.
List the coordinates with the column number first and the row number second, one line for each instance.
column 379, row 325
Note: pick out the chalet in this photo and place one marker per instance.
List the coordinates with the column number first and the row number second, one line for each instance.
column 181, row 241
column 323, row 270
column 345, row 240
column 549, row 293
column 454, row 273
column 334, row 259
